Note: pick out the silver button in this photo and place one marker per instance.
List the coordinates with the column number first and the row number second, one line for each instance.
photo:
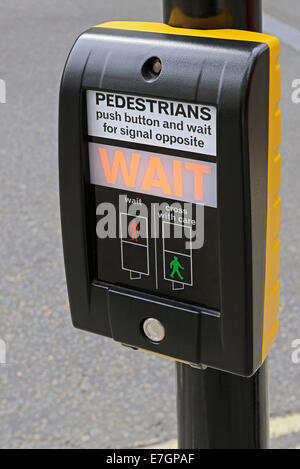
column 154, row 330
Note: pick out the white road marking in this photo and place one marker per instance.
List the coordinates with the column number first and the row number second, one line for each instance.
column 283, row 426
column 287, row 34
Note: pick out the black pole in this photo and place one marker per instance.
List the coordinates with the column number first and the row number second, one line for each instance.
column 214, row 14
column 217, row 410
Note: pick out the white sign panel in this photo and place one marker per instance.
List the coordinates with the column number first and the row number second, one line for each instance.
column 152, row 121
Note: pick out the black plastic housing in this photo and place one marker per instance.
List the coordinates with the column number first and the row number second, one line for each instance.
column 234, row 77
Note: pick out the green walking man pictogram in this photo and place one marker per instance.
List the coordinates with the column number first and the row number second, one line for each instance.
column 175, row 265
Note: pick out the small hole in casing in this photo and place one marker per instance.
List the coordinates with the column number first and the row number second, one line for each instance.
column 152, row 69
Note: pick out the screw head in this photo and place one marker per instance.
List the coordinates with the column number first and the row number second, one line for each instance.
column 154, row 330
column 157, row 67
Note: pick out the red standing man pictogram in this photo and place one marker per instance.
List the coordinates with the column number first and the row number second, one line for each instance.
column 134, row 230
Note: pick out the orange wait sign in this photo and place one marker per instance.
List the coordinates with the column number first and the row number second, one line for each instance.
column 160, row 175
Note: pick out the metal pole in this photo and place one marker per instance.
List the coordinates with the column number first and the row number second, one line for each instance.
column 217, row 410
column 214, row 14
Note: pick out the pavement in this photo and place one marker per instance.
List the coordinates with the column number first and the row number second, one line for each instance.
column 63, row 388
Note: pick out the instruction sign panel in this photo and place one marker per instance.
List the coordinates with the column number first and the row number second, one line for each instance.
column 189, row 127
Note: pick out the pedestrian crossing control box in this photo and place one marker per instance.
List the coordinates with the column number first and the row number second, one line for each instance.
column 169, row 184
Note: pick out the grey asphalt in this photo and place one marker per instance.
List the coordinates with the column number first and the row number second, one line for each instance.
column 63, row 388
